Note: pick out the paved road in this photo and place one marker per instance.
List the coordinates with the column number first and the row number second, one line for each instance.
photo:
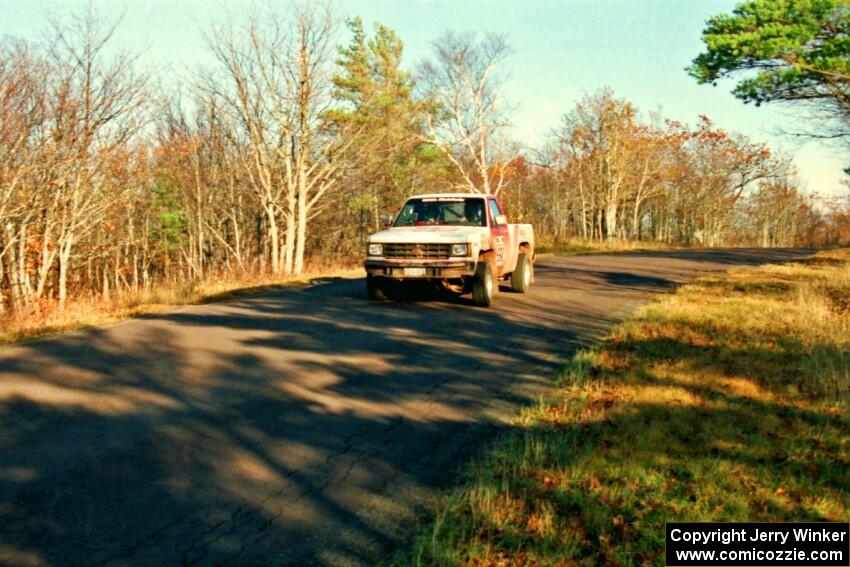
column 288, row 428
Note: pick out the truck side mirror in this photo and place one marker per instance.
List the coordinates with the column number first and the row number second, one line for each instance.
column 386, row 220
column 501, row 219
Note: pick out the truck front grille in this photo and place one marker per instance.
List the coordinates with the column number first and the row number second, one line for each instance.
column 424, row 251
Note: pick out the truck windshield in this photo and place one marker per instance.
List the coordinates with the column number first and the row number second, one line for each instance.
column 449, row 211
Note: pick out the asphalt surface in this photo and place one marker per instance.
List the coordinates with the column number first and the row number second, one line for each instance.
column 291, row 427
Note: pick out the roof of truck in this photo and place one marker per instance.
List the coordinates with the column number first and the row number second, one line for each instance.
column 448, row 195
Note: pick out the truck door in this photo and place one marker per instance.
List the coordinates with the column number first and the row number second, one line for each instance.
column 498, row 232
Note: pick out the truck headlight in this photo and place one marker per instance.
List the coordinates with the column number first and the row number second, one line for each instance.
column 376, row 249
column 460, row 250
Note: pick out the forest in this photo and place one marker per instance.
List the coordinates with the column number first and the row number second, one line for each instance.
column 285, row 151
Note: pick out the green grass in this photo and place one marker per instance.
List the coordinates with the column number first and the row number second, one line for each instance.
column 726, row 401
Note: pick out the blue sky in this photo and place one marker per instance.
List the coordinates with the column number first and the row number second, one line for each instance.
column 563, row 50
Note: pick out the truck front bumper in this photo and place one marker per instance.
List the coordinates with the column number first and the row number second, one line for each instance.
column 419, row 269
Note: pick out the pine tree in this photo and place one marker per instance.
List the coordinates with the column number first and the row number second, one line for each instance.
column 391, row 157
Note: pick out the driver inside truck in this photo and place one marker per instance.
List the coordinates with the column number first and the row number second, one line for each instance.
column 426, row 213
column 473, row 211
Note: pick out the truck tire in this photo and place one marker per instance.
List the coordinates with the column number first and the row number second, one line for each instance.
column 483, row 284
column 521, row 276
column 376, row 288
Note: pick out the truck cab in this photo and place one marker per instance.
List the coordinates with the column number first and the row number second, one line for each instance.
column 460, row 240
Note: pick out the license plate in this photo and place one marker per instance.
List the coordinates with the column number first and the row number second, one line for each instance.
column 414, row 272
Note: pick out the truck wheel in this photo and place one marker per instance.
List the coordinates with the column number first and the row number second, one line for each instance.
column 483, row 284
column 521, row 276
column 376, row 288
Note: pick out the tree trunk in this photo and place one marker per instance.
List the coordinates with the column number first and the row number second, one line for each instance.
column 301, row 236
column 289, row 244
column 636, row 220
column 274, row 238
column 64, row 266
column 611, row 220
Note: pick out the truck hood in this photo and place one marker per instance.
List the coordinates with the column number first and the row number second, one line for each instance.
column 429, row 234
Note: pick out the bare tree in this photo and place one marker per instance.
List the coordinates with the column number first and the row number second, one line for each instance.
column 277, row 86
column 95, row 111
column 23, row 100
column 464, row 80
column 598, row 143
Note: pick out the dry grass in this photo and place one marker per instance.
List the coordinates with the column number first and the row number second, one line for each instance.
column 578, row 246
column 45, row 318
column 726, row 401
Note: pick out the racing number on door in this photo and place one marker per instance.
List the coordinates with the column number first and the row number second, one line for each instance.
column 500, row 249
column 497, row 232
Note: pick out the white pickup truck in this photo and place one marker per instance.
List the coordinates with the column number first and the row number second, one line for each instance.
column 461, row 240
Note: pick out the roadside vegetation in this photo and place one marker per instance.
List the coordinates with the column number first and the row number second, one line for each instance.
column 46, row 318
column 728, row 400
column 578, row 246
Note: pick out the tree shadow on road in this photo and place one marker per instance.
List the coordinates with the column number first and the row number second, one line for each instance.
column 286, row 427
column 186, row 437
